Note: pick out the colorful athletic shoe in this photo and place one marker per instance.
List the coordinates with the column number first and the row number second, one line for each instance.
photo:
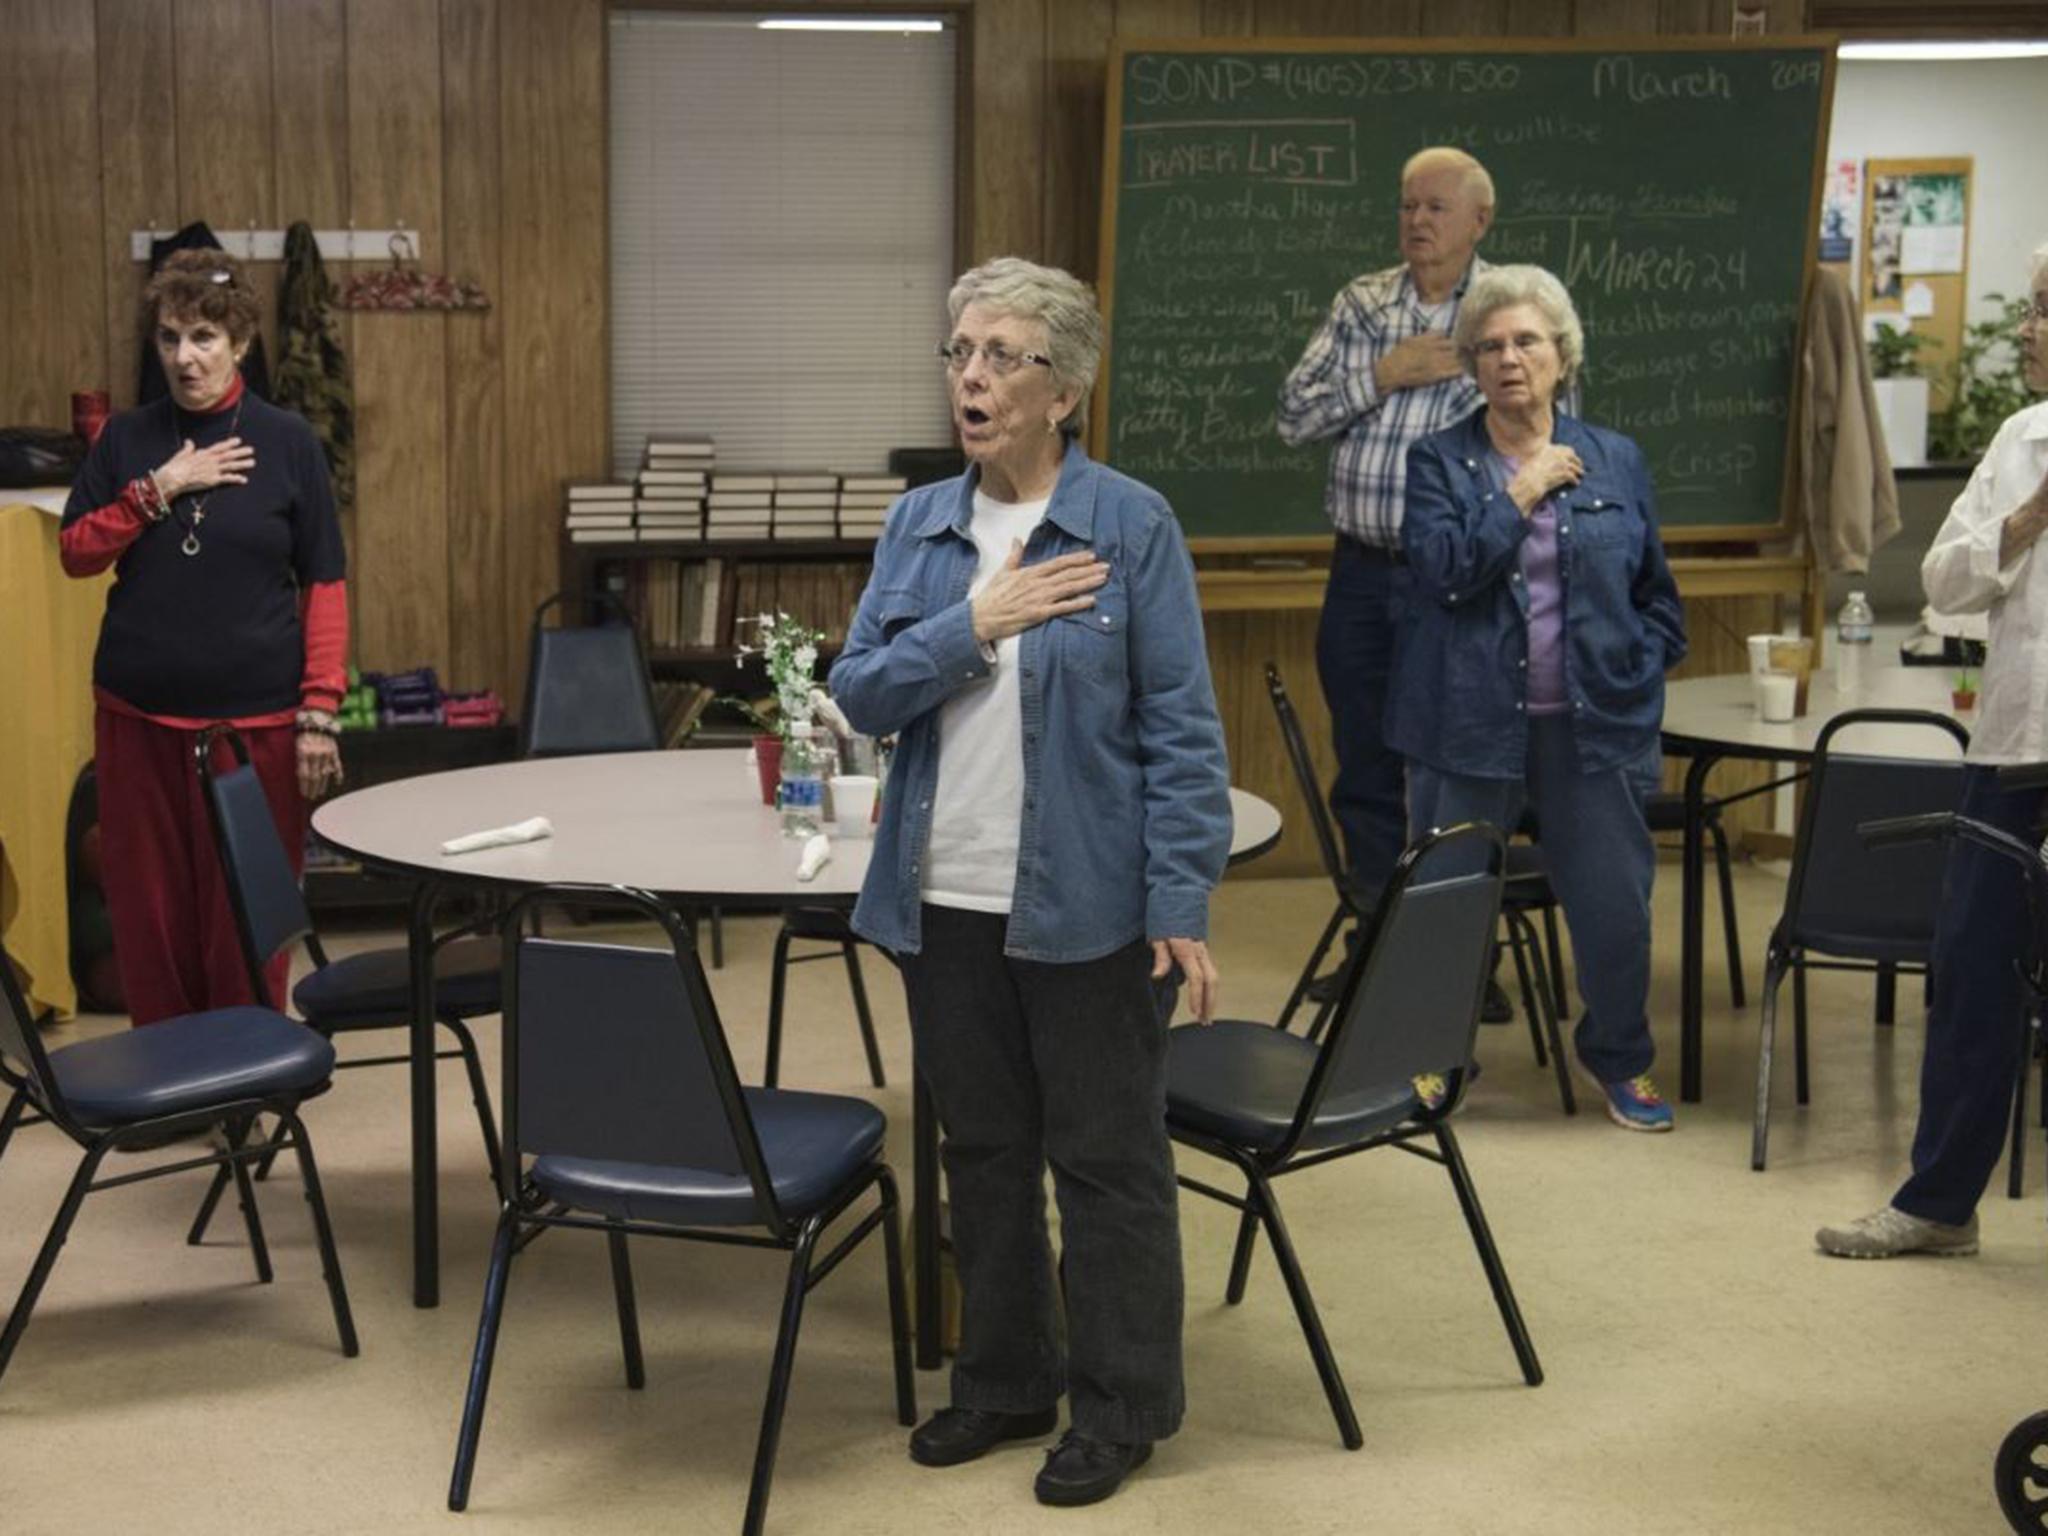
column 1635, row 1104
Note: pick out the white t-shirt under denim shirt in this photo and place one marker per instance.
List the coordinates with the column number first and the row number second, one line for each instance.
column 978, row 808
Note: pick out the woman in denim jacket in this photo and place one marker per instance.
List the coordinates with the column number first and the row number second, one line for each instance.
column 1058, row 810
column 1532, row 667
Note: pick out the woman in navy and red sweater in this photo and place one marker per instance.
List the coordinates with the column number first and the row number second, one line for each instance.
column 215, row 511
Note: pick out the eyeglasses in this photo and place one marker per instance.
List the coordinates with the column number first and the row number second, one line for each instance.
column 1001, row 360
column 2036, row 312
column 1495, row 346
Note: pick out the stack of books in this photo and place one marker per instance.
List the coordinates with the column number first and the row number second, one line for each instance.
column 741, row 504
column 806, row 504
column 675, row 476
column 864, row 503
column 598, row 512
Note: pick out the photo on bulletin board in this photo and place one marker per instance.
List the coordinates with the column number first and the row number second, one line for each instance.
column 1841, row 201
column 1887, row 234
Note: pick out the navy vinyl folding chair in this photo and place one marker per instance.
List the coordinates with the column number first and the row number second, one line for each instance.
column 372, row 990
column 827, row 926
column 1867, row 908
column 1528, row 892
column 1271, row 1103
column 587, row 688
column 142, row 1088
column 623, row 1114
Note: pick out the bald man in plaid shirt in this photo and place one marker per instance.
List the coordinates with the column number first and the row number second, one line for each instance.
column 1379, row 373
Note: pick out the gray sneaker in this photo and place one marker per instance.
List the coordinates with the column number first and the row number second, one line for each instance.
column 1887, row 1233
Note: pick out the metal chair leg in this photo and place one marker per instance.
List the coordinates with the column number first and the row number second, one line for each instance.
column 1555, row 952
column 629, row 1314
column 1305, row 1309
column 2016, row 1163
column 778, row 1378
column 323, row 1235
column 1801, row 1087
column 1489, row 1256
column 46, row 1256
column 479, row 1090
column 899, row 1304
column 850, row 950
column 1241, row 1253
column 1737, row 994
column 17, row 1105
column 245, row 1192
column 1887, row 992
column 480, row 1363
column 778, row 986
column 1766, row 1042
column 1529, row 1009
column 1308, row 971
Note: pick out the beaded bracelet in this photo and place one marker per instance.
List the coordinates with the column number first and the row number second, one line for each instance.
column 316, row 723
column 150, row 497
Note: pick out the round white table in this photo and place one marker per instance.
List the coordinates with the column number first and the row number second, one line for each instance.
column 1709, row 719
column 687, row 826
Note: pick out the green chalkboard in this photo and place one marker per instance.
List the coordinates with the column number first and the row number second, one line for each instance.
column 1673, row 187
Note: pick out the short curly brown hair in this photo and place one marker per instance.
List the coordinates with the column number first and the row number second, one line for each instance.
column 203, row 284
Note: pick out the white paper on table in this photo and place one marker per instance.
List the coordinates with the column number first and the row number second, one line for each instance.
column 817, row 853
column 531, row 830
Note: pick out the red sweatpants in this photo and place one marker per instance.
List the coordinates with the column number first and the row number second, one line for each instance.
column 174, row 933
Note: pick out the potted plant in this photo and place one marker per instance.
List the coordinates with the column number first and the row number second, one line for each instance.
column 1964, row 694
column 1901, row 390
column 1987, row 383
column 789, row 652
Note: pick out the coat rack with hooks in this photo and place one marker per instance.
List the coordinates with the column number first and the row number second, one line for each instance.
column 253, row 244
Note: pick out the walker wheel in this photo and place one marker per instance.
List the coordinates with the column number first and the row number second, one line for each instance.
column 2021, row 1476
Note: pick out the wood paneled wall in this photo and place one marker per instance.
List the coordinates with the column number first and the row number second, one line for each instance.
column 478, row 123
column 481, row 123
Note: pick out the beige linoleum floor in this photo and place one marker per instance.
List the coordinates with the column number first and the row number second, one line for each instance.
column 1708, row 1372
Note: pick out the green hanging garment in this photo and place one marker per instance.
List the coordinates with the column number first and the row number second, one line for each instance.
column 312, row 371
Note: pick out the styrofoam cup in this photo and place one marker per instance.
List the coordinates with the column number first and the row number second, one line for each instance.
column 1777, row 696
column 1760, row 654
column 853, row 803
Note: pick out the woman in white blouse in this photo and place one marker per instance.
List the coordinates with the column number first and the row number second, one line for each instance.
column 1984, row 559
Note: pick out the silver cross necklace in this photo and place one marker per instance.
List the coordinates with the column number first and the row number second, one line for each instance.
column 190, row 522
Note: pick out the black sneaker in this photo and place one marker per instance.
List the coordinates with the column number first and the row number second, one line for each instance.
column 954, row 1435
column 1083, row 1470
column 1325, row 988
column 1496, row 1009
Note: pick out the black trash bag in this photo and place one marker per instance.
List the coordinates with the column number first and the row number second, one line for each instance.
column 39, row 456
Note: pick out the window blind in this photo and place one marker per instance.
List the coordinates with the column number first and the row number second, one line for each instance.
column 781, row 239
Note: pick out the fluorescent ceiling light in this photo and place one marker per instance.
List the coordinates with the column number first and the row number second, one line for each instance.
column 849, row 24
column 1903, row 52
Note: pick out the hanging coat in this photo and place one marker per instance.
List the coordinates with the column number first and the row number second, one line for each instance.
column 312, row 370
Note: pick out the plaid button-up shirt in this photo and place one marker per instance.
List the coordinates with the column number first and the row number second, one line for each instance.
column 1331, row 393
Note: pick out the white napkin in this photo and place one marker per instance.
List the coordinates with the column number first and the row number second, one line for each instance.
column 817, row 851
column 530, row 831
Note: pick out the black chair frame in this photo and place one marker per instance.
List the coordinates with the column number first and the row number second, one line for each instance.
column 465, row 1041
column 1426, row 1134
column 37, row 1099
column 1785, row 953
column 524, row 1212
column 826, row 926
column 1542, row 984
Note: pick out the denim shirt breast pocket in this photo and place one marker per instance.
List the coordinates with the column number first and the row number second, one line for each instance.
column 1094, row 643
column 897, row 608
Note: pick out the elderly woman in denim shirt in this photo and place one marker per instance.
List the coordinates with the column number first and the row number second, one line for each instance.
column 1058, row 811
column 1532, row 665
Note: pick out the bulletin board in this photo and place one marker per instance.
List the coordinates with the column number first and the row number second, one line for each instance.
column 1916, row 254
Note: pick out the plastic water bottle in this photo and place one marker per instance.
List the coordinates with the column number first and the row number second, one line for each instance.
column 1852, row 644
column 802, row 792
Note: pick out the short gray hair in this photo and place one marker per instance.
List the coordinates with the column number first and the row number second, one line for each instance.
column 1500, row 288
column 1059, row 301
column 2037, row 266
column 1439, row 157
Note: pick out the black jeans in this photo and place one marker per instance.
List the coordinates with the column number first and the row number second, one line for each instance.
column 1972, row 1055
column 1362, row 609
column 1032, row 1063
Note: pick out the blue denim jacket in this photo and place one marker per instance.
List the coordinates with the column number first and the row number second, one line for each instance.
column 1460, row 683
column 1126, row 786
